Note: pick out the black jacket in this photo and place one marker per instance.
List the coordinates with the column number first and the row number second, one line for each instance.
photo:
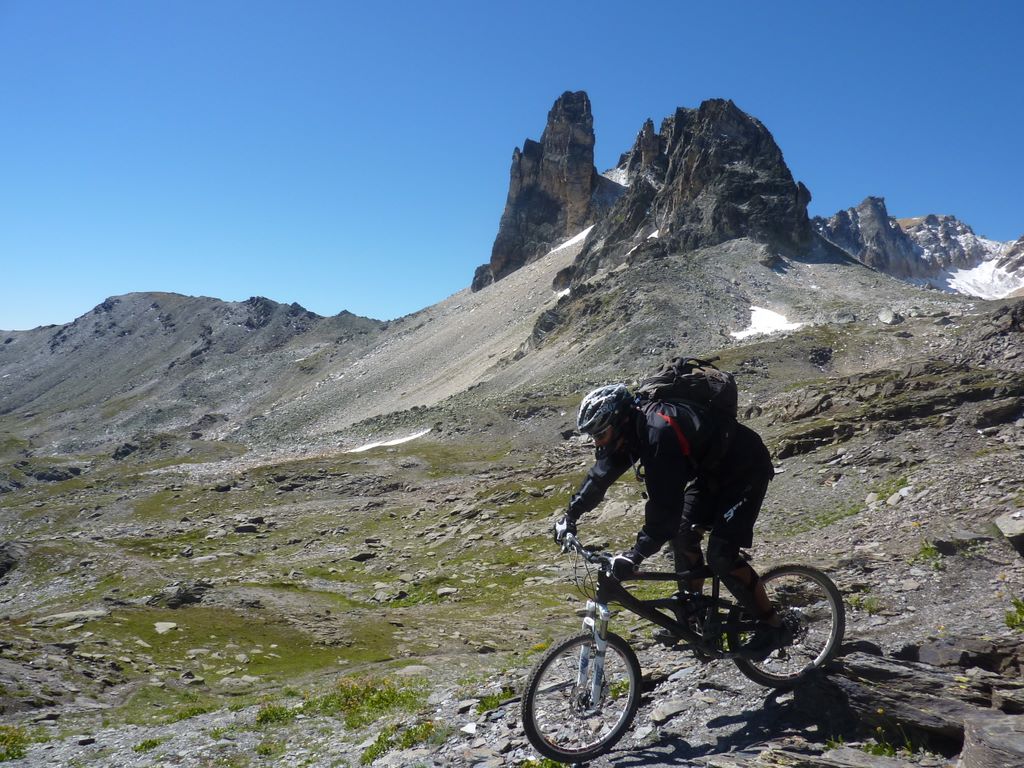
column 669, row 440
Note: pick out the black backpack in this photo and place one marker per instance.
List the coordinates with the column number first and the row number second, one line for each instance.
column 699, row 382
column 693, row 381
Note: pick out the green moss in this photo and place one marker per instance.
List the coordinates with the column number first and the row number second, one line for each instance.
column 428, row 731
column 272, row 651
column 887, row 488
column 492, row 701
column 819, row 520
column 867, row 603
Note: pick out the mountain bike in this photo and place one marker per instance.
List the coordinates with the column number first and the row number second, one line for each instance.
column 583, row 693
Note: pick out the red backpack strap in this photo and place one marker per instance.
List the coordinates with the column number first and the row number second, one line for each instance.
column 684, row 444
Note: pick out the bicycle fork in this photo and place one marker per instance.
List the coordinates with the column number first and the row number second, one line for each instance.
column 591, row 671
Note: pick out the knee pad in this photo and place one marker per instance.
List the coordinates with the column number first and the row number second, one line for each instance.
column 723, row 556
column 686, row 549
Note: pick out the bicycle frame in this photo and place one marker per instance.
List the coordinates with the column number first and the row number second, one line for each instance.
column 610, row 589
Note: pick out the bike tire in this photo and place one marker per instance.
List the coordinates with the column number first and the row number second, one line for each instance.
column 557, row 715
column 811, row 602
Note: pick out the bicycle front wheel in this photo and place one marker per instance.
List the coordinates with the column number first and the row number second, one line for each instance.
column 811, row 606
column 562, row 717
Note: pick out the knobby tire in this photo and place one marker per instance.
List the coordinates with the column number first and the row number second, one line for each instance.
column 814, row 607
column 558, row 717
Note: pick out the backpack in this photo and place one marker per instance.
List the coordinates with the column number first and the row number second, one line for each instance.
column 698, row 382
column 693, row 381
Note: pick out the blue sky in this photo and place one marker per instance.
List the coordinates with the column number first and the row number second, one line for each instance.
column 355, row 156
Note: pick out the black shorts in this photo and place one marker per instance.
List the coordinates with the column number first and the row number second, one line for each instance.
column 728, row 502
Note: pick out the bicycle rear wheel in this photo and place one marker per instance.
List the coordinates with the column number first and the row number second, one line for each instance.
column 560, row 716
column 810, row 604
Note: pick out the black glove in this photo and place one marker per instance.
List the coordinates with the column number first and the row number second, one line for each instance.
column 564, row 525
column 624, row 566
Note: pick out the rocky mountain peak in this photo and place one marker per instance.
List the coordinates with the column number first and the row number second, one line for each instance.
column 946, row 242
column 711, row 174
column 869, row 234
column 551, row 191
column 936, row 250
column 1013, row 259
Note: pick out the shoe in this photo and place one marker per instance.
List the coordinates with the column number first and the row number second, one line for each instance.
column 766, row 639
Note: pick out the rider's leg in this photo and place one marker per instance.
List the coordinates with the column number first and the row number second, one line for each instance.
column 741, row 484
column 741, row 579
column 737, row 575
column 687, row 554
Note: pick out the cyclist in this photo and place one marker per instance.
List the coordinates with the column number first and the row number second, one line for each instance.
column 668, row 440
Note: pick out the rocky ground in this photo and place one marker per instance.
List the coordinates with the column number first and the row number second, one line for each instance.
column 193, row 603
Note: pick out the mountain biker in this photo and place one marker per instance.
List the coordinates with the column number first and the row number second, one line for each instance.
column 668, row 440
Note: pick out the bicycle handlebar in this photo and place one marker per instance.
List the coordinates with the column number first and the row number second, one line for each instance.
column 571, row 544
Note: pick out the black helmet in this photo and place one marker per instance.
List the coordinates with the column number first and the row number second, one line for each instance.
column 603, row 408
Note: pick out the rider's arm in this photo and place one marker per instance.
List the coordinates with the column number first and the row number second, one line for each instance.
column 606, row 470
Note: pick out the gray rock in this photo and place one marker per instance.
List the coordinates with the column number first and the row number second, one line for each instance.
column 69, row 617
column 889, row 317
column 993, row 741
column 1011, row 525
column 666, row 710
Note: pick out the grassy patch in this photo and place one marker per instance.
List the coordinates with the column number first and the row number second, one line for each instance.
column 890, row 486
column 149, row 744
column 274, row 714
column 272, row 649
column 928, row 555
column 428, row 731
column 822, row 519
column 382, row 744
column 14, row 741
column 271, row 748
column 1015, row 618
column 360, row 701
column 867, row 603
column 447, row 459
column 492, row 701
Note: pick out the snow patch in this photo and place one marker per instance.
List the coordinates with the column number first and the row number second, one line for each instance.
column 986, row 281
column 618, row 175
column 654, row 235
column 385, row 443
column 573, row 240
column 764, row 321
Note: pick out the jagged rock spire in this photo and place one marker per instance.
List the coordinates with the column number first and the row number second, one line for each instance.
column 550, row 189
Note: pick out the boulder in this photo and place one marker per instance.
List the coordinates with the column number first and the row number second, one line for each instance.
column 1011, row 525
column 993, row 740
column 899, row 701
column 889, row 317
column 10, row 555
